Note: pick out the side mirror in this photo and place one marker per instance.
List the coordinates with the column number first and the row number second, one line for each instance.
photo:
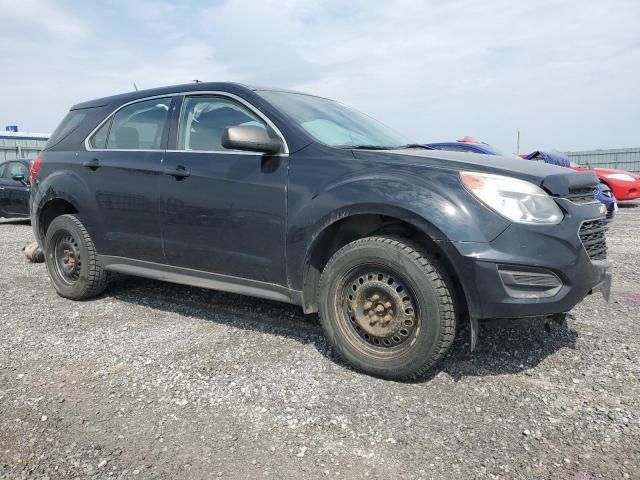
column 251, row 139
column 19, row 178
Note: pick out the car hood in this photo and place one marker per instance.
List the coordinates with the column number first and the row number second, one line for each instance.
column 556, row 180
column 609, row 171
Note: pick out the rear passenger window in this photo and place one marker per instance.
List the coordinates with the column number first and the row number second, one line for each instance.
column 138, row 126
column 204, row 120
column 99, row 139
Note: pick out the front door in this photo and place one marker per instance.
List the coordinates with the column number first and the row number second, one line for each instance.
column 223, row 211
column 122, row 168
column 14, row 189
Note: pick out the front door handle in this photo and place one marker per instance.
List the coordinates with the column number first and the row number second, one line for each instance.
column 93, row 164
column 179, row 172
column 1, row 188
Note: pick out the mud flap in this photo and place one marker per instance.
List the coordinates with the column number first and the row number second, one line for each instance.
column 474, row 327
column 606, row 287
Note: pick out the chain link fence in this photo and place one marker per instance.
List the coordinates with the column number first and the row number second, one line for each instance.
column 620, row 158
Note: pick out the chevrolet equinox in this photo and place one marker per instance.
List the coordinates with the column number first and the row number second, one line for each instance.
column 300, row 199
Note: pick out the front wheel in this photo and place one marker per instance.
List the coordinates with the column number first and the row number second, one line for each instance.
column 71, row 259
column 386, row 307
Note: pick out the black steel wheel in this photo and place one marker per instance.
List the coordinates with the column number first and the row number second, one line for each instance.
column 386, row 307
column 381, row 308
column 71, row 259
column 67, row 257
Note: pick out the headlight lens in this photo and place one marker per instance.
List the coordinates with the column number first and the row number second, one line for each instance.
column 517, row 200
column 621, row 176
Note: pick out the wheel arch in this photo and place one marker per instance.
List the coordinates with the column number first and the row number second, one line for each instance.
column 389, row 220
column 50, row 210
column 61, row 192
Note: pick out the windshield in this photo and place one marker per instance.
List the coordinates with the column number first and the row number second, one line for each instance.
column 495, row 150
column 332, row 123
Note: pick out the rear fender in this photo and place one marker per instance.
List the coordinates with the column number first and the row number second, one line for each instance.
column 68, row 186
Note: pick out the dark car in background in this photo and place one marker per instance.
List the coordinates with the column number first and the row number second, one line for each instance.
column 14, row 188
column 468, row 144
column 297, row 198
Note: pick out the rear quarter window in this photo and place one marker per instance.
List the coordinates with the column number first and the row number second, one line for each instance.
column 69, row 123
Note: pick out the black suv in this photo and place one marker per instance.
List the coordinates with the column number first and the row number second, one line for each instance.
column 297, row 198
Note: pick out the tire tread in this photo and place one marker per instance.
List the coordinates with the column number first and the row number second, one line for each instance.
column 97, row 276
column 432, row 268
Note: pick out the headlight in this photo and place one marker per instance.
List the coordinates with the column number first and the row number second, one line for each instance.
column 621, row 176
column 517, row 200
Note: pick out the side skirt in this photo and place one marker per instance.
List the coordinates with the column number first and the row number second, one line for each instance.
column 198, row 278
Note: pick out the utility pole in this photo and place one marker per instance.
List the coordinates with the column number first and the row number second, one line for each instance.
column 518, row 144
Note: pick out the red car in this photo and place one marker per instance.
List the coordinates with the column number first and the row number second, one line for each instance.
column 624, row 185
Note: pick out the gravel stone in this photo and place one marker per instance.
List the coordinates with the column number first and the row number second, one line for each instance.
column 165, row 381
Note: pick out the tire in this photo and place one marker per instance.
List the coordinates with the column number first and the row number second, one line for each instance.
column 386, row 307
column 71, row 259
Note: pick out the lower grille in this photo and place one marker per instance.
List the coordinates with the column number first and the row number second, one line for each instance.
column 582, row 195
column 593, row 236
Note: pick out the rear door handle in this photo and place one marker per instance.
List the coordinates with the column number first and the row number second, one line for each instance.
column 179, row 172
column 93, row 164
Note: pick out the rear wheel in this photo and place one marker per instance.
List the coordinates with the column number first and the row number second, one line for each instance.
column 386, row 307
column 71, row 259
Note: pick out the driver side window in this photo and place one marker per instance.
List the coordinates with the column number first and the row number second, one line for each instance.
column 13, row 169
column 204, row 119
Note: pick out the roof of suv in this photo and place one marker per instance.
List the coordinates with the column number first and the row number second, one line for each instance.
column 129, row 96
column 187, row 87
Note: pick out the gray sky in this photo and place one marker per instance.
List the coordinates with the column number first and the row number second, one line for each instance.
column 565, row 73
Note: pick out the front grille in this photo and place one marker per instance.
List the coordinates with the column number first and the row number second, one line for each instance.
column 592, row 234
column 582, row 195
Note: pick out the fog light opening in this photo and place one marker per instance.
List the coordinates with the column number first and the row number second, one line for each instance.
column 527, row 284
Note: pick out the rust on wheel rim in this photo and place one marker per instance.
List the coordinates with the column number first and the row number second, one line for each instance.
column 380, row 307
column 67, row 258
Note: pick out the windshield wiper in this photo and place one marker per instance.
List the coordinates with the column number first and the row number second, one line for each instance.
column 366, row 147
column 416, row 145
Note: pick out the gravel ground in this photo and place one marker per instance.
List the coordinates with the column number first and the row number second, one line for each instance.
column 154, row 380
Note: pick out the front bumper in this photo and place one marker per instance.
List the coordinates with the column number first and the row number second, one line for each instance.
column 626, row 190
column 538, row 253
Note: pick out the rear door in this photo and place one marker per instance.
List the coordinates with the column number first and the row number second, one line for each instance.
column 223, row 211
column 122, row 165
column 14, row 194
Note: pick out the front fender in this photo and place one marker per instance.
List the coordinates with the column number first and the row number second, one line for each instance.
column 437, row 205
